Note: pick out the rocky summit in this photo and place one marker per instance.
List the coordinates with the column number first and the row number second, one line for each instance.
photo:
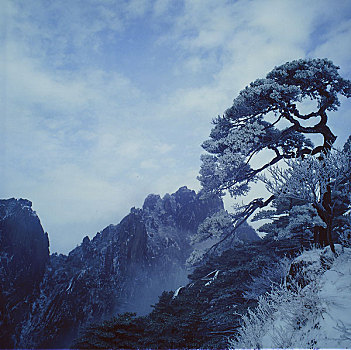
column 24, row 256
column 46, row 300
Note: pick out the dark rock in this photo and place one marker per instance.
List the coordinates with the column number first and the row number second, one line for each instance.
column 24, row 254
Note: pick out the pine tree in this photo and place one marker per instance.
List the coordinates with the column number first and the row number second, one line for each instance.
column 256, row 123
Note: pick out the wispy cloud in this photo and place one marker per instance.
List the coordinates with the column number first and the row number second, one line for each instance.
column 108, row 101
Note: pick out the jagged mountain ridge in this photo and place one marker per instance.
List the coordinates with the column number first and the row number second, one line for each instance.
column 123, row 268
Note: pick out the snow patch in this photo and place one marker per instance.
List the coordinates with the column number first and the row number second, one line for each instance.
column 177, row 292
column 210, row 277
column 315, row 316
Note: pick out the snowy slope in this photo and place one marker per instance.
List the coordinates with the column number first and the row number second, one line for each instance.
column 314, row 314
column 335, row 294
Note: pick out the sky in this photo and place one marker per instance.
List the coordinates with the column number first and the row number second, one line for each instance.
column 106, row 101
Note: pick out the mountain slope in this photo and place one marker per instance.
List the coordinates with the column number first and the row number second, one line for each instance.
column 312, row 310
column 124, row 267
column 204, row 312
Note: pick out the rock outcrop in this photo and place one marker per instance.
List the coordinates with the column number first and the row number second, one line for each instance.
column 24, row 254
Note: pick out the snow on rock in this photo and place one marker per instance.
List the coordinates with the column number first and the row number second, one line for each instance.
column 177, row 292
column 314, row 314
column 335, row 293
column 210, row 277
column 311, row 262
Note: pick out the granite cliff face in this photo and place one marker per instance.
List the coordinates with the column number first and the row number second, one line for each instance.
column 123, row 268
column 24, row 254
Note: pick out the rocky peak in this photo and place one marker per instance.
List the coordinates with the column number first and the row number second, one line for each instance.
column 22, row 237
column 184, row 195
column 24, row 254
column 12, row 206
column 183, row 209
column 151, row 201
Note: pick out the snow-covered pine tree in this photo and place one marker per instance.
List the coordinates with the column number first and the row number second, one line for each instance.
column 268, row 118
column 305, row 183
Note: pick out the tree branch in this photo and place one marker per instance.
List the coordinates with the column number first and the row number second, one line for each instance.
column 249, row 210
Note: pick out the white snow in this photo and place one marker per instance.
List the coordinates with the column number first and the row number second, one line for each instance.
column 335, row 294
column 68, row 289
column 210, row 277
column 316, row 316
column 177, row 292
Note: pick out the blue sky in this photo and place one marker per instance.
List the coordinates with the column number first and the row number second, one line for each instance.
column 106, row 101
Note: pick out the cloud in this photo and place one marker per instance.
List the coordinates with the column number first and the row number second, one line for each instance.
column 137, row 8
column 336, row 45
column 108, row 101
column 251, row 37
column 161, row 7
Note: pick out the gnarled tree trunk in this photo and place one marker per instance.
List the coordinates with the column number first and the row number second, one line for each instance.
column 323, row 235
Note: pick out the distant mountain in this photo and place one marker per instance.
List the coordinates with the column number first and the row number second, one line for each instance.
column 44, row 301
